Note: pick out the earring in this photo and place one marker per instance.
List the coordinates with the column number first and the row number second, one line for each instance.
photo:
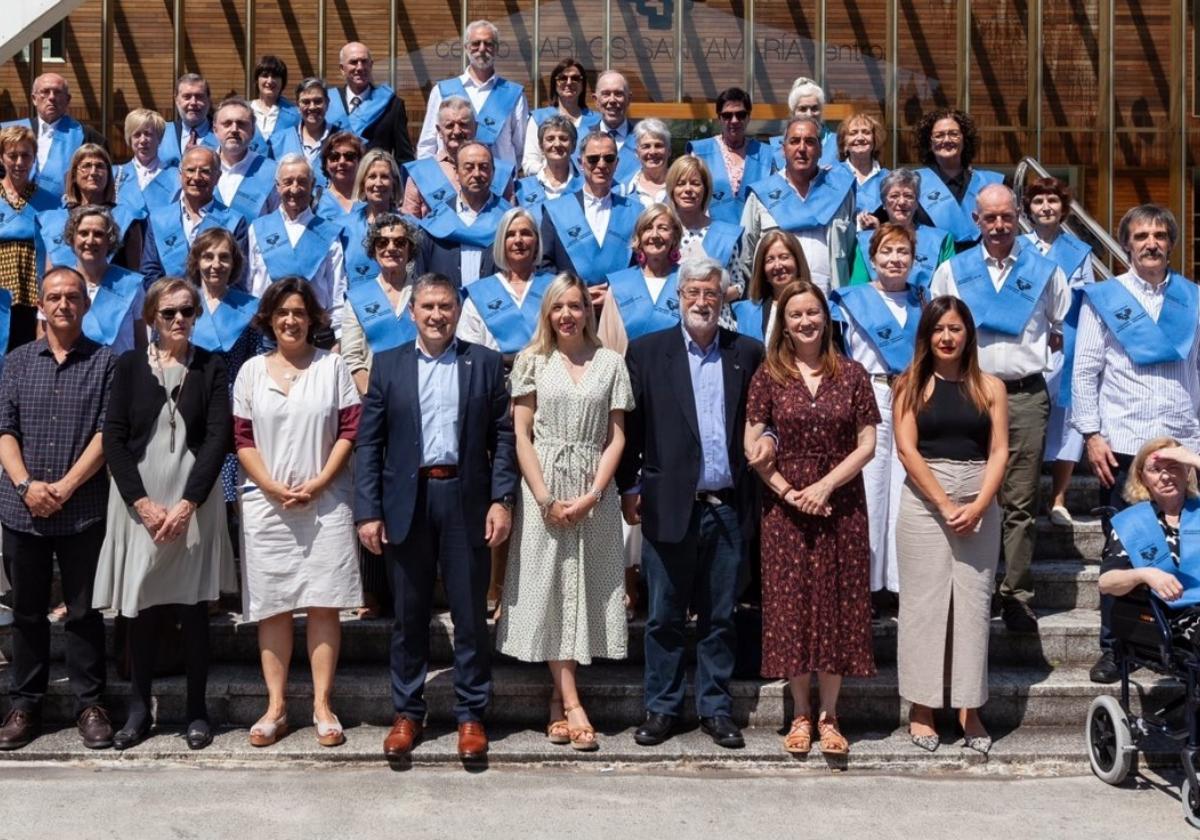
column 675, row 255
column 641, row 259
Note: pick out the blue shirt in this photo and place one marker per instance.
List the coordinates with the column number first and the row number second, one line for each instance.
column 708, row 389
column 437, row 390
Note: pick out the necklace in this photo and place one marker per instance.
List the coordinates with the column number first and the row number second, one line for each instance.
column 172, row 403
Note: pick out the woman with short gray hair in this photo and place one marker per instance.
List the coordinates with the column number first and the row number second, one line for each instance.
column 652, row 142
column 558, row 173
column 899, row 192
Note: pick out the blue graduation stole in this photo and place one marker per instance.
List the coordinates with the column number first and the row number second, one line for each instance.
column 443, row 223
column 53, row 225
column 825, row 195
column 381, row 326
column 1143, row 538
column 726, row 204
column 5, row 318
column 162, row 189
column 436, row 188
column 118, row 290
column 588, row 119
column 288, row 120
column 720, row 240
column 169, row 150
column 329, row 209
column 23, row 225
column 866, row 195
column 368, row 111
column 749, row 316
column 171, row 240
column 1008, row 310
column 1070, row 331
column 641, row 314
column 499, row 104
column 68, row 136
column 593, row 262
column 925, row 260
column 252, row 192
column 945, row 211
column 1068, row 252
column 1147, row 342
column 530, row 193
column 512, row 326
column 219, row 330
column 359, row 264
column 829, row 149
column 303, row 260
column 868, row 311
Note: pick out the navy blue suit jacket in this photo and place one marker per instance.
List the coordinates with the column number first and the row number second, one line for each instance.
column 388, row 448
column 152, row 267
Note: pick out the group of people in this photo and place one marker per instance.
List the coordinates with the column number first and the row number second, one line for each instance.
column 550, row 367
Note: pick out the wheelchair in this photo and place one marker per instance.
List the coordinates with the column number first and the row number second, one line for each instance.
column 1114, row 734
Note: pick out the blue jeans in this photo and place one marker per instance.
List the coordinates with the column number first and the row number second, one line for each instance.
column 702, row 571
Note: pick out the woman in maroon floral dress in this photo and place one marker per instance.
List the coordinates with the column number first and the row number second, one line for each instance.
column 815, row 554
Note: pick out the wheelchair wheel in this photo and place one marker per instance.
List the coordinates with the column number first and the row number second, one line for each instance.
column 1109, row 740
column 1189, row 797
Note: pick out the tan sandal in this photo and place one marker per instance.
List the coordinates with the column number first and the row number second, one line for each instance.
column 581, row 738
column 558, row 731
column 799, row 738
column 832, row 740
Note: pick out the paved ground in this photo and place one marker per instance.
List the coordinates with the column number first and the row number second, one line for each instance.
column 131, row 801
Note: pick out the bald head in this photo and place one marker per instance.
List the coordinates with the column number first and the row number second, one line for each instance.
column 997, row 195
column 996, row 215
column 612, row 98
column 51, row 97
column 356, row 63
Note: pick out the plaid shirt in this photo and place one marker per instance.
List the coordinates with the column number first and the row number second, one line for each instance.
column 54, row 410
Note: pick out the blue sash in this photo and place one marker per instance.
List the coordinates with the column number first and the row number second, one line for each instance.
column 171, row 240
column 305, row 259
column 436, row 188
column 162, row 189
column 381, row 326
column 594, row 263
column 330, row 210
column 53, row 225
column 359, row 265
column 510, row 325
column 720, row 240
column 825, row 196
column 500, row 103
column 749, row 316
column 5, row 318
column 868, row 311
column 726, row 204
column 68, row 136
column 252, row 193
column 829, row 149
column 170, row 149
column 23, row 225
column 628, row 164
column 866, row 195
column 288, row 120
column 1069, row 253
column 118, row 290
column 530, row 193
column 588, row 119
column 640, row 313
column 1142, row 536
column 1147, row 342
column 372, row 107
column 945, row 211
column 925, row 260
column 1070, row 330
column 219, row 330
column 1008, row 310
column 443, row 223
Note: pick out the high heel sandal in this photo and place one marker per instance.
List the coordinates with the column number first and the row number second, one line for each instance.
column 329, row 734
column 578, row 735
column 267, row 732
column 798, row 741
column 558, row 731
column 833, row 742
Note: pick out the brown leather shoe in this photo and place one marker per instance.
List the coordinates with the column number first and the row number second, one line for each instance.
column 472, row 741
column 19, row 728
column 95, row 728
column 404, row 735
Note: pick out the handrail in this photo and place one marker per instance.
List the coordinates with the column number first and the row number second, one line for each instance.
column 1095, row 231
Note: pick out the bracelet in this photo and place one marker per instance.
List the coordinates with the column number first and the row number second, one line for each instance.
column 545, row 506
column 787, row 488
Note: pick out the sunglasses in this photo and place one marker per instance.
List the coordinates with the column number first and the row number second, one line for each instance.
column 349, row 157
column 740, row 116
column 592, row 160
column 569, row 78
column 391, row 242
column 168, row 314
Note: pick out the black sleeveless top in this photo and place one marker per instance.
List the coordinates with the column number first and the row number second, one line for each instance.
column 950, row 427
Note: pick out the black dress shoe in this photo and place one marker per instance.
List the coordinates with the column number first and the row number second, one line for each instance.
column 129, row 736
column 655, row 729
column 1105, row 671
column 199, row 734
column 724, row 731
column 1018, row 616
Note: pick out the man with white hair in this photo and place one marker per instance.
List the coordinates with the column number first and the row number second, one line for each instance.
column 612, row 99
column 1019, row 300
column 501, row 109
column 247, row 184
column 295, row 242
column 373, row 112
column 58, row 133
column 684, row 477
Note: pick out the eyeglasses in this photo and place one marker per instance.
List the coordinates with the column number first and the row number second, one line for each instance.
column 570, row 78
column 391, row 242
column 349, row 157
column 700, row 294
column 168, row 314
column 92, row 166
column 740, row 116
column 592, row 160
column 948, row 135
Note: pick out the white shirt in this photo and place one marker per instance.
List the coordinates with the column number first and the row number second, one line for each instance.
column 231, row 181
column 1128, row 403
column 329, row 283
column 265, row 117
column 470, row 257
column 597, row 211
column 508, row 140
column 472, row 327
column 532, row 159
column 858, row 343
column 190, row 224
column 45, row 140
column 1008, row 356
column 146, row 174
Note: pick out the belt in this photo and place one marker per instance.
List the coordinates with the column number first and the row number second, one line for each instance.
column 715, row 497
column 883, row 378
column 1033, row 382
column 438, row 471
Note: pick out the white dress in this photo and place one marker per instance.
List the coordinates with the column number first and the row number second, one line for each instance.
column 307, row 556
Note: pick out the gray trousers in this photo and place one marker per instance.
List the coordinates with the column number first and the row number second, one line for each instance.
column 1028, row 413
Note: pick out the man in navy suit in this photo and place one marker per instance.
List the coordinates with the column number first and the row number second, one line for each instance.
column 684, row 477
column 436, row 442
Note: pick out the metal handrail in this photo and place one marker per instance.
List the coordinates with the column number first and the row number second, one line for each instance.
column 1095, row 232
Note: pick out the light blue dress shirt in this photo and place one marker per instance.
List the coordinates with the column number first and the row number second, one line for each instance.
column 437, row 390
column 708, row 388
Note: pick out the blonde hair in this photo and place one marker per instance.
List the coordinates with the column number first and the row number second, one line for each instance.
column 15, row 135
column 140, row 118
column 878, row 136
column 1135, row 489
column 545, row 339
column 506, row 221
column 684, row 167
column 364, row 166
column 646, row 220
column 165, row 286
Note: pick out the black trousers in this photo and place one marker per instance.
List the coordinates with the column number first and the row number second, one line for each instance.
column 29, row 559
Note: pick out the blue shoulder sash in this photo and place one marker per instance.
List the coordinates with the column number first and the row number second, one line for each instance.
column 588, row 119
column 868, row 311
column 5, row 322
column 367, row 112
column 303, row 260
column 443, row 223
column 171, row 240
column 501, row 101
column 359, row 265
column 170, row 149
column 252, row 192
column 512, row 326
column 52, row 228
column 866, row 194
column 118, row 290
column 219, row 330
column 726, row 204
column 1069, row 252
column 1148, row 342
column 1142, row 536
column 925, row 260
column 68, row 136
column 530, row 192
column 792, row 213
column 639, row 311
column 594, row 262
column 381, row 326
column 720, row 239
column 19, row 225
column 436, row 188
column 945, row 211
column 1008, row 310
column 749, row 316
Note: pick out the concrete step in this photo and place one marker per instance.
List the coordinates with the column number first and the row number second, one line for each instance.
column 612, row 692
column 1082, row 541
column 1083, row 493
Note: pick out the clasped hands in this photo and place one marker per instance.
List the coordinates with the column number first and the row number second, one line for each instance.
column 812, row 500
column 293, row 496
column 164, row 525
column 560, row 514
column 961, row 519
column 45, row 498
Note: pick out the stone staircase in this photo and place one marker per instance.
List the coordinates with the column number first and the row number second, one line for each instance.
column 1039, row 687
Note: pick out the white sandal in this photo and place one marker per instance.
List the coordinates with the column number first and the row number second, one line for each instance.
column 329, row 734
column 267, row 732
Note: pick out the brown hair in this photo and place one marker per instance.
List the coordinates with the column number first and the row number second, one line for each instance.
column 781, row 354
column 878, row 135
column 1045, row 186
column 887, row 231
column 72, row 193
column 165, row 286
column 759, row 289
column 206, row 239
column 276, row 294
column 908, row 392
column 924, row 132
column 340, row 138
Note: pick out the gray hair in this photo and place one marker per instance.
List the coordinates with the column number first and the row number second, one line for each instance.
column 293, row 158
column 1147, row 214
column 112, row 232
column 234, row 102
column 557, row 122
column 653, row 128
column 701, row 268
column 1001, row 189
column 387, row 220
column 624, row 81
column 802, row 87
column 480, row 24
column 457, row 103
column 193, row 79
column 506, row 221
column 899, row 178
column 594, row 136
column 310, row 82
column 212, row 155
column 433, row 280
column 813, row 121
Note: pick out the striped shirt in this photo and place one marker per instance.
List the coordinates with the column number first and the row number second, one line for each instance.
column 1128, row 403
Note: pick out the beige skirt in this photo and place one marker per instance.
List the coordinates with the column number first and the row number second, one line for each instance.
column 945, row 603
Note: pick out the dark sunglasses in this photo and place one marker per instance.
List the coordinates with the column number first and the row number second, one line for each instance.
column 734, row 115
column 391, row 242
column 349, row 157
column 570, row 77
column 168, row 314
column 592, row 160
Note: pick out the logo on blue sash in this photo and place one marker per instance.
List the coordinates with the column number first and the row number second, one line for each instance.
column 382, row 327
column 444, row 223
column 869, row 312
column 639, row 312
column 1009, row 309
column 593, row 262
column 1147, row 342
column 825, row 196
column 946, row 213
column 305, row 258
column 511, row 325
column 500, row 102
column 1141, row 534
column 222, row 328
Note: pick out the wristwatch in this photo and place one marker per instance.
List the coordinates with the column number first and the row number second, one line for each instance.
column 509, row 500
column 23, row 487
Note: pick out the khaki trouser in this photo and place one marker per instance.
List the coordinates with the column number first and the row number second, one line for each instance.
column 1028, row 414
